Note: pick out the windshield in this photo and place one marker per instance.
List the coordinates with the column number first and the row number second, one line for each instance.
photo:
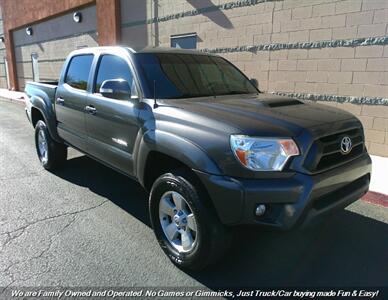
column 189, row 75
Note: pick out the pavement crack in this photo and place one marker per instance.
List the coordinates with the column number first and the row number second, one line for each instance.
column 16, row 233
column 7, row 271
column 13, row 235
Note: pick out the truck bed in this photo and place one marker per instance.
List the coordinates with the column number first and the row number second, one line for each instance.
column 45, row 90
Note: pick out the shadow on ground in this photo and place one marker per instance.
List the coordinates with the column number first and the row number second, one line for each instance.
column 109, row 184
column 348, row 249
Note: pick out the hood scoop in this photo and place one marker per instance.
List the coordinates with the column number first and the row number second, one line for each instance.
column 286, row 102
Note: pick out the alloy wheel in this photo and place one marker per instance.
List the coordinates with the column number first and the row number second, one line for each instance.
column 42, row 146
column 178, row 221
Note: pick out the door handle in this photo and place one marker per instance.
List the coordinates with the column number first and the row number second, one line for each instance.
column 91, row 109
column 60, row 100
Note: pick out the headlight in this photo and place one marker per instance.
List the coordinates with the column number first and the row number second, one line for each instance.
column 263, row 154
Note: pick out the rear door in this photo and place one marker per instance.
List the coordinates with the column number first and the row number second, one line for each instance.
column 70, row 100
column 112, row 125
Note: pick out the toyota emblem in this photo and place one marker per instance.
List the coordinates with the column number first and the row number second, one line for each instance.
column 346, row 145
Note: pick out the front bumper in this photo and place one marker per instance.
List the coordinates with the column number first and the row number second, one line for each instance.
column 290, row 201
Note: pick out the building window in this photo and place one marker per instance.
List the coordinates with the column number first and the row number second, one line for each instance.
column 184, row 41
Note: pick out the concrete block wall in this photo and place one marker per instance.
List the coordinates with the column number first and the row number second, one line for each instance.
column 360, row 71
column 52, row 41
column 136, row 11
column 51, row 56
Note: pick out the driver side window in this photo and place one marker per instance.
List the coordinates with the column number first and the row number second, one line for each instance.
column 113, row 67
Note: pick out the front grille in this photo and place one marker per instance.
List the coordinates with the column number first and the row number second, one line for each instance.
column 325, row 152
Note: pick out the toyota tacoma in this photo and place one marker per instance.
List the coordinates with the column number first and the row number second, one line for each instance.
column 212, row 150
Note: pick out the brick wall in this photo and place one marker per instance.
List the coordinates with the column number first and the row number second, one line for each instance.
column 360, row 71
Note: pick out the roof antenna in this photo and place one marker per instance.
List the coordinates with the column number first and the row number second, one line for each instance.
column 155, row 103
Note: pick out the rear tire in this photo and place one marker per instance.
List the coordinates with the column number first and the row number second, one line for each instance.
column 184, row 222
column 50, row 153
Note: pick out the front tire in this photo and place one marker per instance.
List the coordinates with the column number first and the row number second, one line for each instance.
column 50, row 153
column 184, row 222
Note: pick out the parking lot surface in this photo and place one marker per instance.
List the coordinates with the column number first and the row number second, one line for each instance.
column 87, row 225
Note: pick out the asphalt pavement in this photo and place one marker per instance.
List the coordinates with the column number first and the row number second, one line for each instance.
column 87, row 225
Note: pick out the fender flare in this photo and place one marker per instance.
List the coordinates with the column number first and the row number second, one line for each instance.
column 48, row 114
column 174, row 146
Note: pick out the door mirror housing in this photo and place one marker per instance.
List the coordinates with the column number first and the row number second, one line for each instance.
column 116, row 89
column 254, row 82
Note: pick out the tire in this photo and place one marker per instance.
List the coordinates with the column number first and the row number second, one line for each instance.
column 209, row 241
column 50, row 153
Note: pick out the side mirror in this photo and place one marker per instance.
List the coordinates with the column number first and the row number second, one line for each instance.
column 254, row 82
column 116, row 89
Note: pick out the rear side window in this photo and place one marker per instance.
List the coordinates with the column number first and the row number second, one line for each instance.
column 78, row 71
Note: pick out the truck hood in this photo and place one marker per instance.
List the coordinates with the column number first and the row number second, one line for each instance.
column 209, row 122
column 262, row 114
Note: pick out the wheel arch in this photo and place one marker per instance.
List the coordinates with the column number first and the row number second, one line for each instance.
column 41, row 111
column 36, row 115
column 162, row 151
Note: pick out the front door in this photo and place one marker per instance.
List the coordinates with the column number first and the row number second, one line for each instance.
column 112, row 124
column 70, row 101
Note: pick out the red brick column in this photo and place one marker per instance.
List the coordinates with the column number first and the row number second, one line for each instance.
column 10, row 53
column 108, row 22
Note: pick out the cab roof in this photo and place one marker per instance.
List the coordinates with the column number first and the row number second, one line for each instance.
column 138, row 50
column 169, row 50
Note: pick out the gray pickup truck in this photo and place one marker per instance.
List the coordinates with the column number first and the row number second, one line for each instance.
column 213, row 151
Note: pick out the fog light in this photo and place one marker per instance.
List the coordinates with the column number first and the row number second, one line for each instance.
column 260, row 210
